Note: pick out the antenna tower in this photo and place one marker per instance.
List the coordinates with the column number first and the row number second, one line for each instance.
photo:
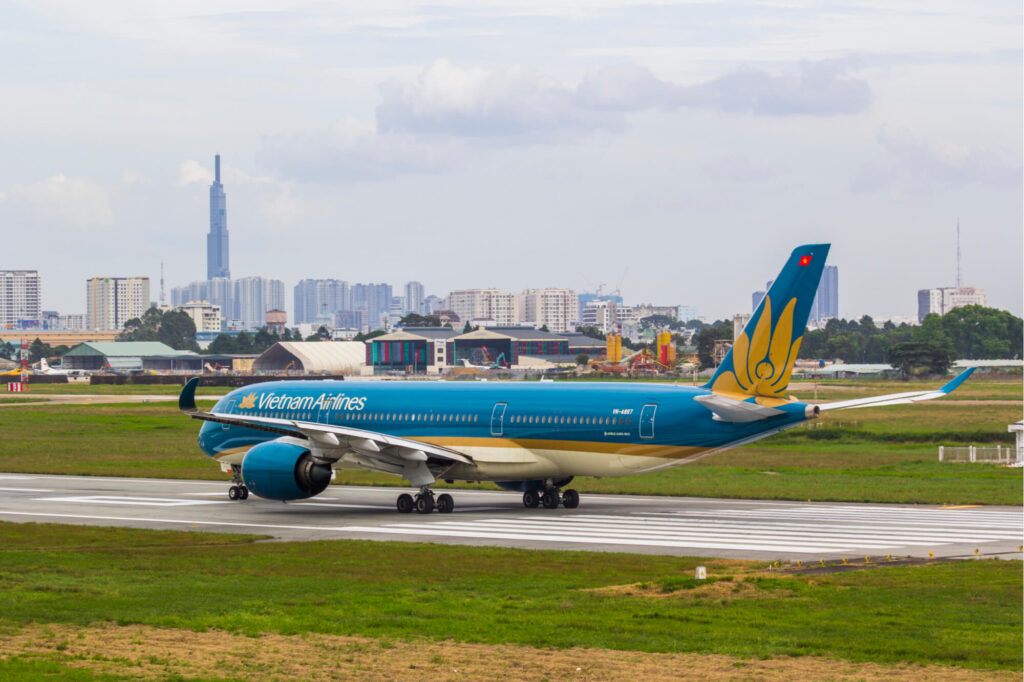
column 958, row 282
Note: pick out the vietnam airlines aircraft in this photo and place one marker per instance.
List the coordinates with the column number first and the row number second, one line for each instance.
column 282, row 440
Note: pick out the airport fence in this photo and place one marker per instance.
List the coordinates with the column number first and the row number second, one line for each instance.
column 1000, row 454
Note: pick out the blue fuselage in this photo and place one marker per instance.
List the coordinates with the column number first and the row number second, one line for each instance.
column 563, row 423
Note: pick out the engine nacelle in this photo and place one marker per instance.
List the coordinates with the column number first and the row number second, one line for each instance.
column 278, row 470
column 537, row 486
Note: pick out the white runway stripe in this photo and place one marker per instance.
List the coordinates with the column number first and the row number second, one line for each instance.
column 490, row 535
column 872, row 530
column 739, row 530
column 779, row 530
column 693, row 539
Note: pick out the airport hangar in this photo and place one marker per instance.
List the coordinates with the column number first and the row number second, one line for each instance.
column 430, row 348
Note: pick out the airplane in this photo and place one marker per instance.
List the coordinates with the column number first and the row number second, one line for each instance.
column 44, row 368
column 284, row 440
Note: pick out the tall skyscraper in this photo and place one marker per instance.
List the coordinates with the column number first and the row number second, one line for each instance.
column 414, row 298
column 254, row 296
column 112, row 301
column 320, row 298
column 217, row 239
column 375, row 300
column 21, row 297
column 826, row 299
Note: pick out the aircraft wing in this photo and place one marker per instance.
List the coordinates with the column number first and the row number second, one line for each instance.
column 900, row 398
column 328, row 441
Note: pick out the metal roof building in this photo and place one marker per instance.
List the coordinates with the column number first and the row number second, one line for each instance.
column 129, row 355
column 316, row 357
column 415, row 347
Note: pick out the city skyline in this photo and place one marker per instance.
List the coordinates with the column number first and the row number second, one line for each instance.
column 523, row 146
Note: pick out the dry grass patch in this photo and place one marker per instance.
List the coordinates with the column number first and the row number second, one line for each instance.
column 143, row 652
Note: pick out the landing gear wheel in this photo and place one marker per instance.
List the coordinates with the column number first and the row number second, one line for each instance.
column 531, row 499
column 570, row 499
column 550, row 498
column 235, row 492
column 245, row 492
column 425, row 504
column 445, row 503
column 405, row 503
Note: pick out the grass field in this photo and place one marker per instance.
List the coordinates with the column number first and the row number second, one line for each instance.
column 964, row 614
column 872, row 455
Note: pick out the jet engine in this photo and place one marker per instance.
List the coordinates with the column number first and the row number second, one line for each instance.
column 279, row 470
column 536, row 486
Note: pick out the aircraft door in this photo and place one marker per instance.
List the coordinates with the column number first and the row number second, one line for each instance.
column 498, row 419
column 647, row 421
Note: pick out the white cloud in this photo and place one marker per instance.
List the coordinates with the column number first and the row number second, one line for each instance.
column 73, row 201
column 911, row 165
column 191, row 171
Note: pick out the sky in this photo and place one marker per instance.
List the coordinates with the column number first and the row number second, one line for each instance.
column 677, row 151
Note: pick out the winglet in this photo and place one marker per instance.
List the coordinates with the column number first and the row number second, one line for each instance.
column 955, row 383
column 187, row 399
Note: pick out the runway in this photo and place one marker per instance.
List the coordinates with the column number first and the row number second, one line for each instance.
column 616, row 523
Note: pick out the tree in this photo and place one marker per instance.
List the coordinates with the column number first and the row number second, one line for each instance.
column 658, row 322
column 7, row 350
column 468, row 328
column 918, row 357
column 224, row 344
column 416, row 320
column 177, row 330
column 706, row 342
column 243, row 343
column 591, row 332
column 38, row 350
column 369, row 335
column 544, row 328
column 582, row 359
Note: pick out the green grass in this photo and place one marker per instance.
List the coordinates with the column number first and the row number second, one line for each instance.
column 870, row 455
column 126, row 389
column 959, row 613
column 4, row 399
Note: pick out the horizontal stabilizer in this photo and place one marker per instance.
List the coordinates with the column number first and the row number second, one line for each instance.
column 730, row 410
column 900, row 398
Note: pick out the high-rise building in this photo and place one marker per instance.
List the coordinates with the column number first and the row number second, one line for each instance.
column 21, row 297
column 414, row 298
column 204, row 314
column 432, row 303
column 826, row 298
column 318, row 299
column 944, row 299
column 557, row 309
column 219, row 292
column 375, row 301
column 112, row 301
column 689, row 312
column 253, row 297
column 584, row 299
column 217, row 239
column 487, row 304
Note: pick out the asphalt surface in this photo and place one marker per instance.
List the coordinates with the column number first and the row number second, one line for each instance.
column 614, row 523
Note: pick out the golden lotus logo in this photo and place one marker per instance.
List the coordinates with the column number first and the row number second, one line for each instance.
column 248, row 402
column 761, row 365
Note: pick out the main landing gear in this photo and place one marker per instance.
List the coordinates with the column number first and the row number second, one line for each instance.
column 238, row 491
column 425, row 502
column 550, row 498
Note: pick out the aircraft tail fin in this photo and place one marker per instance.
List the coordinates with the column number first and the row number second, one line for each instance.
column 761, row 359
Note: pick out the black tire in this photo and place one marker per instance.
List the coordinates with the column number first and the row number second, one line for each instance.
column 570, row 499
column 550, row 499
column 234, row 493
column 531, row 499
column 424, row 504
column 405, row 504
column 245, row 492
column 445, row 503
